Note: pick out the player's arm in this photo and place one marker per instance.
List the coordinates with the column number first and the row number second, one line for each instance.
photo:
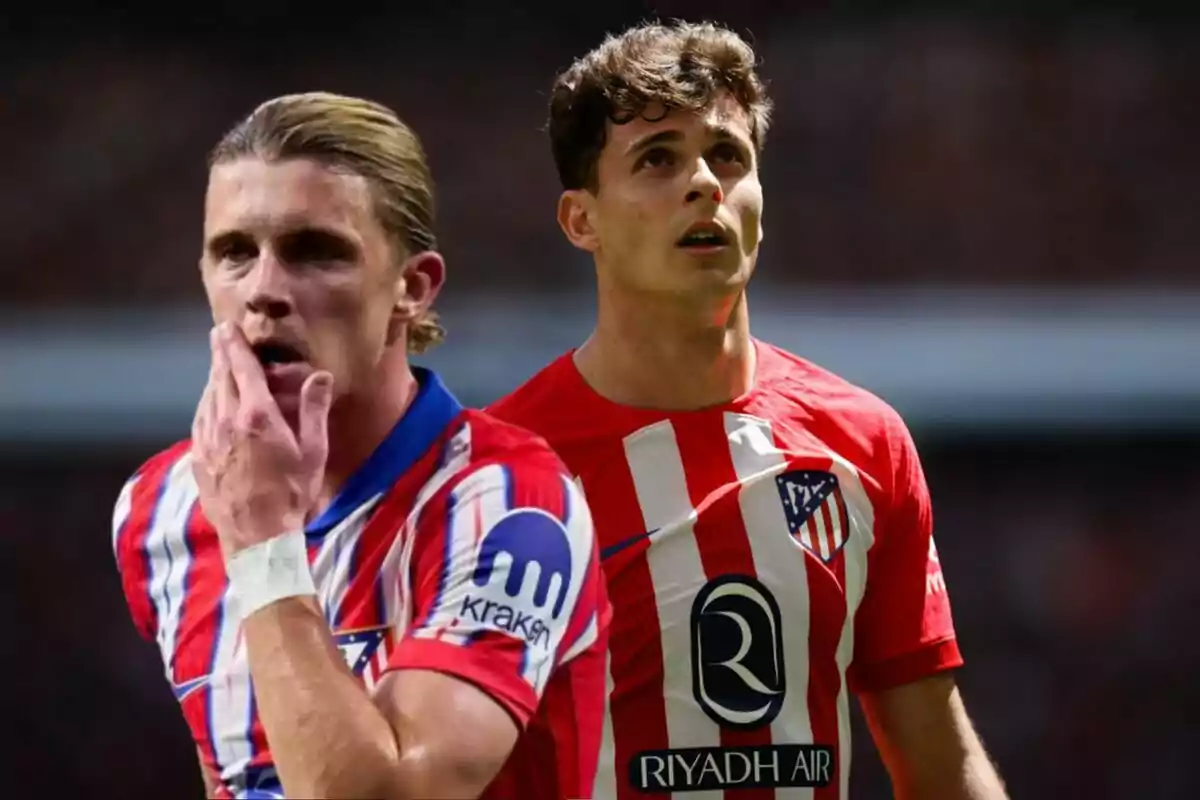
column 928, row 744
column 444, row 719
column 330, row 739
column 906, row 649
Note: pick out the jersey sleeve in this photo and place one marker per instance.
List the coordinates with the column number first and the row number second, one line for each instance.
column 904, row 630
column 133, row 518
column 505, row 583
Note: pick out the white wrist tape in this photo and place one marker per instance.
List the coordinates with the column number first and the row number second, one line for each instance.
column 270, row 571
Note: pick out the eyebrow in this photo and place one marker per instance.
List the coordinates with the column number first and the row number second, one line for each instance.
column 718, row 132
column 325, row 236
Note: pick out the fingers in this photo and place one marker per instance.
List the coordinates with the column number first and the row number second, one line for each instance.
column 316, row 397
column 242, row 393
column 249, row 382
column 224, row 389
column 202, row 422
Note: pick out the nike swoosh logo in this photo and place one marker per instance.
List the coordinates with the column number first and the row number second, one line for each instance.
column 610, row 551
column 182, row 690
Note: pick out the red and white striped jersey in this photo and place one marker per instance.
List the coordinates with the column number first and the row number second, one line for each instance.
column 764, row 558
column 460, row 546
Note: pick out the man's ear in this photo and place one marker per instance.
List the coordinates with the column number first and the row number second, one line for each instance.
column 420, row 278
column 577, row 218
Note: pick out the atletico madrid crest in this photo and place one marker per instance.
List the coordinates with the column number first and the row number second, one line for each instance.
column 815, row 510
column 365, row 651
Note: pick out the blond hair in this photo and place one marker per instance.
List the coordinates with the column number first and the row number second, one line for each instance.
column 362, row 137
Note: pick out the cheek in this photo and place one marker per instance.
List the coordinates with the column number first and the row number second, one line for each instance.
column 748, row 202
column 632, row 221
column 222, row 299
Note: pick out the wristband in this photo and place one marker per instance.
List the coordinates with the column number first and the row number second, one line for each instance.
column 270, row 571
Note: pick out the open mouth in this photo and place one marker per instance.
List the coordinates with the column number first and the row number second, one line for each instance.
column 271, row 352
column 706, row 235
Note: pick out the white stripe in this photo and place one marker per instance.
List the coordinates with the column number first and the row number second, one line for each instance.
column 578, row 511
column 332, row 566
column 396, row 569
column 823, row 535
column 581, row 538
column 121, row 513
column 169, row 556
column 476, row 504
column 229, row 703
column 860, row 537
column 676, row 571
column 780, row 566
column 459, row 449
column 806, row 534
column 837, row 504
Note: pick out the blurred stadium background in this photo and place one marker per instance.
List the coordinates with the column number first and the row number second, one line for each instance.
column 985, row 212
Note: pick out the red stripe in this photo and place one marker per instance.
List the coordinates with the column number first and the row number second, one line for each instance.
column 721, row 537
column 586, row 722
column 827, row 525
column 506, row 652
column 536, row 767
column 360, row 607
column 131, row 542
column 591, row 595
column 536, row 488
column 638, row 707
column 814, row 536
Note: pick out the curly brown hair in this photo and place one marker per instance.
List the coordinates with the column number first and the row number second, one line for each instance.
column 360, row 136
column 677, row 66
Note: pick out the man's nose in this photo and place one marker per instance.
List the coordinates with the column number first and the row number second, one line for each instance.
column 269, row 290
column 704, row 184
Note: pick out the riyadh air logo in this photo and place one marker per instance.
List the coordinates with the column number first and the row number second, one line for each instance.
column 737, row 652
column 523, row 576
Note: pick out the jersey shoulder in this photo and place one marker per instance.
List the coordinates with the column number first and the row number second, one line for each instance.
column 142, row 491
column 548, row 403
column 497, row 441
column 849, row 418
column 163, row 479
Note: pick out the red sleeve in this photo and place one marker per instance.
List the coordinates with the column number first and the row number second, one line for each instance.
column 904, row 630
column 505, row 583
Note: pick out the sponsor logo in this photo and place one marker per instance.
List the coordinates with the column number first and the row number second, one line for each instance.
column 737, row 652
column 508, row 619
column 698, row 769
column 522, row 576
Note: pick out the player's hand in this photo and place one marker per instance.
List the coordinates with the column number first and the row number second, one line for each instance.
column 258, row 478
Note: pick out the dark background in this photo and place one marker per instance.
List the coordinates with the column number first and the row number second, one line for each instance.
column 1008, row 156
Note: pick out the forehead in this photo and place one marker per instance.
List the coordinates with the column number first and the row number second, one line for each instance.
column 724, row 113
column 271, row 196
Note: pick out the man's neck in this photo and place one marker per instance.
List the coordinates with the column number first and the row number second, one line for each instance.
column 358, row 424
column 669, row 353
